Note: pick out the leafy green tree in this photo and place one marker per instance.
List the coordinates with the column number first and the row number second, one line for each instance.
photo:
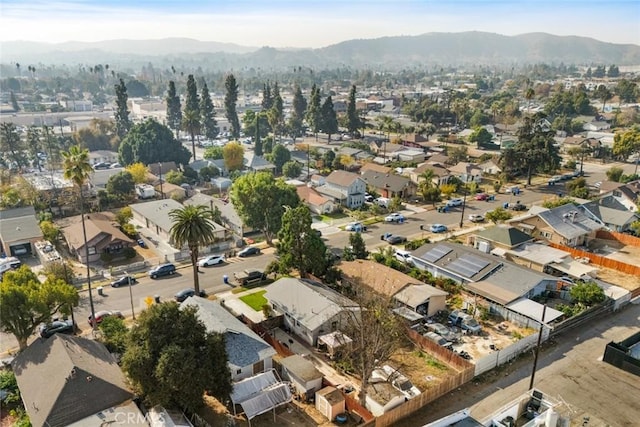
column 11, row 144
column 627, row 91
column 627, row 143
column 613, row 71
column 430, row 193
column 123, row 123
column 557, row 201
column 614, row 173
column 480, row 136
column 353, row 119
column 77, row 169
column 209, row 124
column 535, row 148
column 604, row 94
column 292, row 169
column 192, row 226
column 261, row 199
column 328, row 157
column 99, row 135
column 25, row 302
column 214, row 153
column 174, row 108
column 479, row 118
column 498, row 215
column 297, row 115
column 298, row 245
column 168, row 344
column 328, row 118
column 121, row 184
column 34, row 145
column 587, row 293
column 314, row 111
column 114, row 334
column 137, row 89
column 209, row 172
column 14, row 102
column 458, row 154
column 151, row 142
column 138, row 172
column 124, row 215
column 279, row 156
column 578, row 188
column 230, row 100
column 233, row 154
column 175, row 177
column 191, row 118
column 50, row 231
column 358, row 247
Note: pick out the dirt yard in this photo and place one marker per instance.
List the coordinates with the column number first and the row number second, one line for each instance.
column 498, row 335
column 421, row 368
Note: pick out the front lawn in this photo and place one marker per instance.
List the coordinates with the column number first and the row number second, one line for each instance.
column 255, row 300
column 330, row 217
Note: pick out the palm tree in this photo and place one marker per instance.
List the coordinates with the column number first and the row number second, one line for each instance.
column 192, row 226
column 77, row 169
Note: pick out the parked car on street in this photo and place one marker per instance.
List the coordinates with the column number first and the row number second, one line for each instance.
column 476, row 217
column 454, row 202
column 101, row 165
column 393, row 239
column 482, row 196
column 438, row 228
column 123, row 281
column 248, row 251
column 248, row 276
column 141, row 243
column 355, row 226
column 211, row 260
column 518, row 207
column 186, row 293
column 56, row 327
column 394, row 217
column 101, row 315
column 162, row 270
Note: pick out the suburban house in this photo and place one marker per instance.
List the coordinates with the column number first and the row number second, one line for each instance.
column 103, row 156
column 439, row 158
column 374, row 167
column 490, row 167
column 230, row 217
column 103, row 237
column 390, row 185
column 309, row 308
column 388, row 152
column 161, row 168
column 167, row 190
column 84, row 384
column 19, row 230
column 564, row 225
column 255, row 163
column 344, row 188
column 614, row 219
column 467, row 172
column 303, row 375
column 317, row 203
column 411, row 155
column 406, row 291
column 596, row 126
column 441, row 174
column 627, row 194
column 99, row 179
column 247, row 353
column 500, row 236
column 414, row 140
column 317, row 180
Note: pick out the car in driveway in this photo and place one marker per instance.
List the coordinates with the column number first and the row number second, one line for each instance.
column 101, row 165
column 186, row 293
column 555, row 179
column 443, row 331
column 438, row 339
column 454, row 202
column 404, row 256
column 211, row 260
column 103, row 314
column 438, row 228
column 355, row 226
column 476, row 217
column 167, row 269
column 123, row 281
column 394, row 217
column 482, row 196
column 248, row 251
column 518, row 207
column 56, row 327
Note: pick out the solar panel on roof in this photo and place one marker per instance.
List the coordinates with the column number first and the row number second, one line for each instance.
column 468, row 265
column 436, row 253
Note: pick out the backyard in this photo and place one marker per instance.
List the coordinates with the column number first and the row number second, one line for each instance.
column 255, row 300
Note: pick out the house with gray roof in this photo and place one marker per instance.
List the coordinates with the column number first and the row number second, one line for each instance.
column 257, row 163
column 626, row 194
column 19, row 231
column 390, row 185
column 66, row 379
column 309, row 308
column 344, row 188
column 303, row 374
column 230, row 216
column 614, row 219
column 502, row 236
column 564, row 225
column 247, row 353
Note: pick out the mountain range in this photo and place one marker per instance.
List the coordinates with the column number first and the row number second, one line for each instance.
column 466, row 48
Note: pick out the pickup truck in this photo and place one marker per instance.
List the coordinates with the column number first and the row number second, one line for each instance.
column 249, row 276
column 465, row 322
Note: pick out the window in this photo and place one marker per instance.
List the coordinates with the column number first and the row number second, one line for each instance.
column 545, row 234
column 239, row 371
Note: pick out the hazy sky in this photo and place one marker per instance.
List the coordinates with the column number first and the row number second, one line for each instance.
column 310, row 23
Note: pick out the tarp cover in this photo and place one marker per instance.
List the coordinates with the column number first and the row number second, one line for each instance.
column 266, row 400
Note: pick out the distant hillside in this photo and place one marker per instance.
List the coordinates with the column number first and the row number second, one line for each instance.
column 468, row 48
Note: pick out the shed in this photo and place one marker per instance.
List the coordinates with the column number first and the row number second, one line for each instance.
column 383, row 397
column 330, row 402
column 303, row 375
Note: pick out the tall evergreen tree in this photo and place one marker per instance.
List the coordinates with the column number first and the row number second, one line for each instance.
column 257, row 146
column 267, row 99
column 314, row 112
column 208, row 114
column 276, row 114
column 230, row 100
column 123, row 124
column 353, row 119
column 191, row 117
column 297, row 115
column 174, row 109
column 329, row 119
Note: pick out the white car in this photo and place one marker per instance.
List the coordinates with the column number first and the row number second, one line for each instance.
column 398, row 381
column 394, row 217
column 211, row 260
column 355, row 226
column 454, row 202
column 404, row 256
column 476, row 218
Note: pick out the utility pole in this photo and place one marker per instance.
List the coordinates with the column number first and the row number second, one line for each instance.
column 464, row 203
column 535, row 358
column 160, row 169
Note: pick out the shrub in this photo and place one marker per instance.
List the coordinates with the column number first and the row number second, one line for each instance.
column 129, row 253
column 106, row 257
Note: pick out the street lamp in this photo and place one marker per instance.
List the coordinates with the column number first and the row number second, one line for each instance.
column 160, row 169
column 133, row 313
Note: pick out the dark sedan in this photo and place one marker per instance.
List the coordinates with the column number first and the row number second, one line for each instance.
column 186, row 293
column 56, row 327
column 248, row 251
column 123, row 281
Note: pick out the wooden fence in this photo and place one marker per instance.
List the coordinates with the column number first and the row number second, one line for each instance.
column 263, row 333
column 620, row 237
column 585, row 316
column 352, row 405
column 439, row 352
column 599, row 260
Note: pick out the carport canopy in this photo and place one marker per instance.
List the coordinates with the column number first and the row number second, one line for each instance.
column 533, row 310
column 573, row 268
column 260, row 393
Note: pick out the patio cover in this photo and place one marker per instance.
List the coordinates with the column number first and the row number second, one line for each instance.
column 260, row 393
column 533, row 310
column 574, row 268
column 334, row 339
